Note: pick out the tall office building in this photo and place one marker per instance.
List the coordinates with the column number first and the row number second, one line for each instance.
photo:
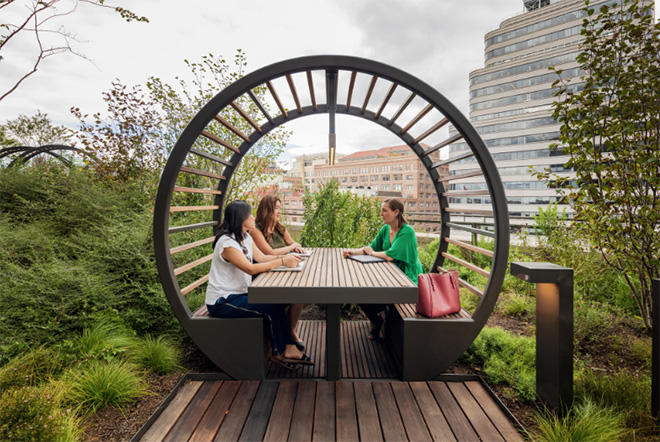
column 511, row 98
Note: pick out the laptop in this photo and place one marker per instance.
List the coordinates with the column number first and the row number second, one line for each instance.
column 365, row 258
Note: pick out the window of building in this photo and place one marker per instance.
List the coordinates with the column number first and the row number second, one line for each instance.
column 385, row 177
column 364, row 179
column 396, row 186
column 398, row 177
column 354, row 179
column 409, row 177
column 374, row 178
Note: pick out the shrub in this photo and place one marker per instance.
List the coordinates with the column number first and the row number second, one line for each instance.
column 32, row 368
column 34, row 414
column 104, row 341
column 469, row 301
column 515, row 304
column 157, row 355
column 591, row 323
column 96, row 384
column 586, row 421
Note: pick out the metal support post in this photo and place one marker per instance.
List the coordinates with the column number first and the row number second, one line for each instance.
column 554, row 331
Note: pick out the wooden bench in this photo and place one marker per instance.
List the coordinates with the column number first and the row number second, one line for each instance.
column 423, row 347
column 238, row 345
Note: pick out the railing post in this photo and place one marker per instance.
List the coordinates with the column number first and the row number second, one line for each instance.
column 655, row 360
column 554, row 331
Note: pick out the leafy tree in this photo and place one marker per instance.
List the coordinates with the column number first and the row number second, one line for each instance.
column 36, row 131
column 339, row 219
column 42, row 20
column 611, row 130
column 5, row 140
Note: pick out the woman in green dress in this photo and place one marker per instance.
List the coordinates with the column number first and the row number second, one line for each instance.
column 272, row 238
column 396, row 242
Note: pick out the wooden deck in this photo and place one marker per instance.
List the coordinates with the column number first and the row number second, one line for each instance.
column 361, row 358
column 217, row 410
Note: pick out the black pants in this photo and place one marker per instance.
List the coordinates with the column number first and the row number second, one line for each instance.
column 372, row 311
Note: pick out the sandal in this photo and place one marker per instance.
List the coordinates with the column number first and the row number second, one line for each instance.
column 374, row 333
column 286, row 364
column 300, row 345
column 304, row 360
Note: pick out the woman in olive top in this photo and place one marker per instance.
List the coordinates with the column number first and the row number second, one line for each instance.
column 272, row 238
column 396, row 242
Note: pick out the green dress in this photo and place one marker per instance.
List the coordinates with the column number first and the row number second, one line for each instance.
column 403, row 250
column 276, row 239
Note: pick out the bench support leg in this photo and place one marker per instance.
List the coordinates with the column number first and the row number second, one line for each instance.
column 333, row 342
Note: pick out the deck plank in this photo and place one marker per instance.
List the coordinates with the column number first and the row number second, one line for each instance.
column 347, row 428
column 457, row 420
column 367, row 413
column 235, row 419
column 435, row 420
column 390, row 419
column 194, row 412
column 216, row 412
column 412, row 418
column 170, row 415
column 257, row 419
column 280, row 418
column 482, row 425
column 494, row 413
column 324, row 412
column 303, row 413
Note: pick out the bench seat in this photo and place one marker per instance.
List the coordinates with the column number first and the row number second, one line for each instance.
column 410, row 311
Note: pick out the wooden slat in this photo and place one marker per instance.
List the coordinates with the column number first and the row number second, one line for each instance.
column 310, row 83
column 431, row 130
column 390, row 419
column 462, row 156
column 216, row 412
column 194, row 412
column 220, row 141
column 302, row 421
column 367, row 414
column 280, row 418
column 369, row 92
column 195, row 190
column 191, row 245
column 324, row 412
column 292, row 86
column 466, row 264
column 416, row 119
column 187, row 169
column 435, row 420
column 169, row 416
column 472, row 230
column 261, row 107
column 193, row 264
column 411, row 416
column 484, row 252
column 403, row 107
column 231, row 127
column 466, row 285
column 439, row 146
column 351, row 86
column 271, row 88
column 455, row 193
column 208, row 156
column 245, row 116
column 386, row 100
column 347, row 428
column 494, row 413
column 189, row 288
column 201, row 311
column 192, row 208
column 177, row 229
column 235, row 419
column 469, row 211
column 257, row 420
column 460, row 176
column 480, row 422
column 457, row 420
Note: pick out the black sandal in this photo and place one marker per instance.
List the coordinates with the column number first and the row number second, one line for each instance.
column 374, row 333
column 300, row 345
column 304, row 360
column 286, row 364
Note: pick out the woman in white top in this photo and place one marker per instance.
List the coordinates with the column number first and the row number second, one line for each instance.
column 231, row 272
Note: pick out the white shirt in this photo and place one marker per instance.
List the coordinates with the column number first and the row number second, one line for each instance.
column 225, row 278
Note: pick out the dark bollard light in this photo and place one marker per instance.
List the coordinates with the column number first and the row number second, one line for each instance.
column 655, row 363
column 554, row 330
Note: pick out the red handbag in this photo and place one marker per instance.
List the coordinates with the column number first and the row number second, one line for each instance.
column 438, row 294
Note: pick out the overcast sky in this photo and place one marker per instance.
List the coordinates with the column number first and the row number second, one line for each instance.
column 438, row 41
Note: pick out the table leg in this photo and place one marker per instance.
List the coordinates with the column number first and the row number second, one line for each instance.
column 333, row 342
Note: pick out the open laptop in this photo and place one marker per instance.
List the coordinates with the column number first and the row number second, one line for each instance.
column 365, row 258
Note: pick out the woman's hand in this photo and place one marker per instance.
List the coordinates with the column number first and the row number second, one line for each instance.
column 348, row 253
column 297, row 248
column 367, row 250
column 291, row 260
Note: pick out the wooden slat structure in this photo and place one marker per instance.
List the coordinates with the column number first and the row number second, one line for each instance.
column 204, row 408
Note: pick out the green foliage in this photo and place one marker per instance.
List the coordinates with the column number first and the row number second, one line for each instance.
column 36, row 130
column 35, row 414
column 96, row 384
column 514, row 304
column 32, row 368
column 104, row 341
column 506, row 359
column 427, row 254
column 339, row 219
column 469, row 301
column 157, row 355
column 611, row 130
column 586, row 421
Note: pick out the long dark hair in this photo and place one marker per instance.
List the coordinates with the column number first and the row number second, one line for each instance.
column 266, row 216
column 395, row 204
column 236, row 213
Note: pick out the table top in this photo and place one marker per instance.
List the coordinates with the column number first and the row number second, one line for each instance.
column 329, row 278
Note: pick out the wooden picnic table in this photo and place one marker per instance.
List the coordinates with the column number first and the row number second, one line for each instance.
column 330, row 279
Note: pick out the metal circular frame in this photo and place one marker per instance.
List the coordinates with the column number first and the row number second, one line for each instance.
column 463, row 331
column 28, row 152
